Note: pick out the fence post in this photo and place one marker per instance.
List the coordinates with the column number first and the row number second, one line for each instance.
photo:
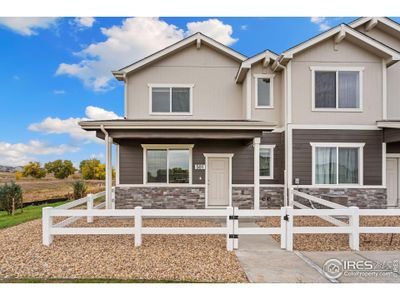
column 289, row 228
column 47, row 223
column 229, row 229
column 283, row 227
column 354, row 223
column 291, row 197
column 138, row 226
column 236, row 227
column 89, row 206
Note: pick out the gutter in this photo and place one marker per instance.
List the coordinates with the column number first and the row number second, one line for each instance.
column 104, row 131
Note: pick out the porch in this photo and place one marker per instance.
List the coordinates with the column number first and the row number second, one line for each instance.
column 192, row 164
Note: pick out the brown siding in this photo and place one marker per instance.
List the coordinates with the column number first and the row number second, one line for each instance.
column 131, row 157
column 302, row 156
column 393, row 147
column 391, row 135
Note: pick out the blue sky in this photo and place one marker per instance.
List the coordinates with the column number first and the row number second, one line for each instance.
column 56, row 71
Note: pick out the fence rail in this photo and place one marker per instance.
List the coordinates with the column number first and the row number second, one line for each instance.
column 230, row 228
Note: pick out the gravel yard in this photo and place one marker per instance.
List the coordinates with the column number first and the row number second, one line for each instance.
column 194, row 258
column 338, row 242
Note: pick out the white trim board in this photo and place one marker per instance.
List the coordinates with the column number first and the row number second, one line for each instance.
column 333, row 126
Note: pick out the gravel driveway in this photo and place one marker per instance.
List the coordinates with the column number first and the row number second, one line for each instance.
column 200, row 258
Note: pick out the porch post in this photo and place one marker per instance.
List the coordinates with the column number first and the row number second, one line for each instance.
column 256, row 145
column 109, row 142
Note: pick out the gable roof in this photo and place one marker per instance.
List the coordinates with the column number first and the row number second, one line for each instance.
column 196, row 38
column 388, row 25
column 342, row 31
column 245, row 66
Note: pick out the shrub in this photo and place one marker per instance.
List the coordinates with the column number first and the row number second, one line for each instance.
column 18, row 175
column 80, row 189
column 60, row 169
column 34, row 170
column 10, row 197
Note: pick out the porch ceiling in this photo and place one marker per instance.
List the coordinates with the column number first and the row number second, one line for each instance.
column 185, row 129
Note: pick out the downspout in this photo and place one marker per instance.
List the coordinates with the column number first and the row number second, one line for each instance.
column 285, row 178
column 108, row 166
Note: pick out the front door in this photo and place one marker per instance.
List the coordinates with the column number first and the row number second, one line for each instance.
column 392, row 181
column 218, row 187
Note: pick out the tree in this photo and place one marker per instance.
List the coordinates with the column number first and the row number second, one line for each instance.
column 100, row 172
column 34, row 170
column 10, row 197
column 93, row 169
column 88, row 168
column 60, row 169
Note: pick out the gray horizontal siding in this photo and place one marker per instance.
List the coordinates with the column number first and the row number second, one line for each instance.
column 302, row 151
column 131, row 157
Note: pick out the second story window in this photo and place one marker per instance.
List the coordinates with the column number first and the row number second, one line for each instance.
column 264, row 90
column 337, row 89
column 173, row 99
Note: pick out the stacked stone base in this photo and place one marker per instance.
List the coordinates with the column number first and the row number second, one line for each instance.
column 373, row 198
column 192, row 198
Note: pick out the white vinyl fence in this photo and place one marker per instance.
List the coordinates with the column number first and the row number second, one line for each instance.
column 335, row 214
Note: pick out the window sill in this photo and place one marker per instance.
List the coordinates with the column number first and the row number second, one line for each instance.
column 171, row 114
column 339, row 110
column 266, row 177
column 264, row 107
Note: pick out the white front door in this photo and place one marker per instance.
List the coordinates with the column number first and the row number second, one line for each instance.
column 392, row 181
column 218, row 181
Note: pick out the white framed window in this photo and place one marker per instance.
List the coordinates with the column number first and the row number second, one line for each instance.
column 264, row 91
column 337, row 163
column 337, row 89
column 170, row 99
column 267, row 161
column 167, row 164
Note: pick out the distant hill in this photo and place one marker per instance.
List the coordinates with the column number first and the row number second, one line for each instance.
column 10, row 169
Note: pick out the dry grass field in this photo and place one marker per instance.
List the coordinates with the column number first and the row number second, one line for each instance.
column 49, row 187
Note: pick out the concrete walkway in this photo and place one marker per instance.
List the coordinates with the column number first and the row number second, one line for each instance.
column 264, row 261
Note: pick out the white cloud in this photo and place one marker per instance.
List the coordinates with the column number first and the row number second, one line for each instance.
column 97, row 113
column 20, row 154
column 27, row 26
column 133, row 40
column 215, row 29
column 58, row 92
column 71, row 127
column 321, row 22
column 16, row 77
column 244, row 27
column 85, row 21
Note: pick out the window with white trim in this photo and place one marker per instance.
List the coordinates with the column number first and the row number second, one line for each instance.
column 264, row 90
column 337, row 163
column 339, row 89
column 167, row 164
column 173, row 99
column 267, row 161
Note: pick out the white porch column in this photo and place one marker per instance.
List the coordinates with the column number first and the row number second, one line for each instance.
column 109, row 142
column 256, row 146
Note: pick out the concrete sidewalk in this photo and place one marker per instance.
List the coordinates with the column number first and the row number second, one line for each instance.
column 264, row 261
